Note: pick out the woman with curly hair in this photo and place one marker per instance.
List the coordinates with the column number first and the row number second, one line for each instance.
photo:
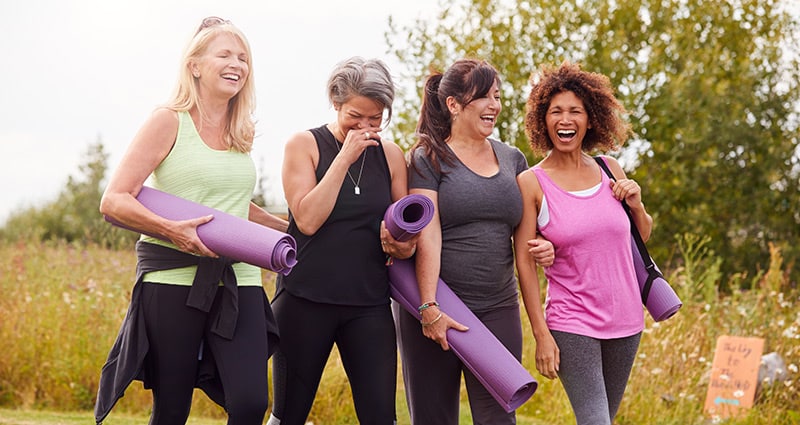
column 588, row 332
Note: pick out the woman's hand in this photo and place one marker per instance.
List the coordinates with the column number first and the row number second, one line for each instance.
column 356, row 141
column 435, row 324
column 542, row 251
column 627, row 190
column 397, row 249
column 548, row 356
column 185, row 236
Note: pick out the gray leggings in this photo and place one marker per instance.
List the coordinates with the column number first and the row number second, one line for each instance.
column 594, row 373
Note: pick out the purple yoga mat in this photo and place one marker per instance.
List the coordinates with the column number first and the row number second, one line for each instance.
column 226, row 234
column 480, row 351
column 408, row 216
column 662, row 302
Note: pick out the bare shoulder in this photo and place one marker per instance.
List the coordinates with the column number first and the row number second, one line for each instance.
column 527, row 181
column 157, row 135
column 302, row 141
column 163, row 118
column 392, row 150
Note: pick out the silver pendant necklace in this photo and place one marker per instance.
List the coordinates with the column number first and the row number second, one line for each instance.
column 357, row 189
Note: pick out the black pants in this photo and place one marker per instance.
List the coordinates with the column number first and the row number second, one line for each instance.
column 365, row 337
column 177, row 334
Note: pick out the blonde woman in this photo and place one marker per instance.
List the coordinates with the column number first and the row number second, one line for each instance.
column 181, row 322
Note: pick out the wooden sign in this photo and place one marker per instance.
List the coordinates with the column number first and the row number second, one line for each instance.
column 734, row 376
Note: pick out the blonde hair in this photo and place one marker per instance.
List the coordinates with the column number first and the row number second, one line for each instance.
column 240, row 128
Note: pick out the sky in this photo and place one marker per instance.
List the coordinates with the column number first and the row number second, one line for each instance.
column 78, row 71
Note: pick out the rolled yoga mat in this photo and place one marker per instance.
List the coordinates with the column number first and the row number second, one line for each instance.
column 408, row 216
column 662, row 301
column 226, row 234
column 480, row 351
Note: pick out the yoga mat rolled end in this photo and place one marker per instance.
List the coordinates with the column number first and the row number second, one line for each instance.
column 408, row 216
column 521, row 396
column 662, row 302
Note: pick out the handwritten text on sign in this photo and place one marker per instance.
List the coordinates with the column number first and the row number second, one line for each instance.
column 734, row 375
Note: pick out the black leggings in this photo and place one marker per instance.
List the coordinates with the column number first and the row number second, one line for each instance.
column 177, row 334
column 365, row 337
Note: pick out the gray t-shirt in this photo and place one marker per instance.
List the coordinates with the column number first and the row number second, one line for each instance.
column 478, row 216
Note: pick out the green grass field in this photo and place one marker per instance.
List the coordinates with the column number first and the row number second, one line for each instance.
column 62, row 306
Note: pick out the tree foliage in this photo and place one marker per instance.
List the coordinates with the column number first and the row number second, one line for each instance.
column 73, row 216
column 711, row 87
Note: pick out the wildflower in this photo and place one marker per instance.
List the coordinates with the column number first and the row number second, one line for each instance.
column 793, row 368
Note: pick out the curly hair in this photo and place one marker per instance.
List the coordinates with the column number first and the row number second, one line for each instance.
column 608, row 126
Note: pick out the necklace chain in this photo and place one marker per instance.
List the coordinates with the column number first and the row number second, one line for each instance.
column 357, row 189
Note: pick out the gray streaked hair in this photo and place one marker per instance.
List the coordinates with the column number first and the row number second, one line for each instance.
column 357, row 76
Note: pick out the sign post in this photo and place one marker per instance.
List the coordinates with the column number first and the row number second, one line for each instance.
column 734, row 376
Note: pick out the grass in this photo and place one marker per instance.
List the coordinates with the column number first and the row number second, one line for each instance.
column 62, row 305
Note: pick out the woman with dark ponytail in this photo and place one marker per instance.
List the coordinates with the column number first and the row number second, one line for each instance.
column 471, row 179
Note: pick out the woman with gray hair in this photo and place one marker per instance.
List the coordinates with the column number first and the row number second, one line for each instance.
column 339, row 179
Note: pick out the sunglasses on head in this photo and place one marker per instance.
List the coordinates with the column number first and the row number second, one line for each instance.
column 210, row 22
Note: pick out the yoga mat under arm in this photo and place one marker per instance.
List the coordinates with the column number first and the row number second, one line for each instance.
column 227, row 235
column 480, row 351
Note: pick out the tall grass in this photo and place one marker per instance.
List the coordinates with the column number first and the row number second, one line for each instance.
column 62, row 304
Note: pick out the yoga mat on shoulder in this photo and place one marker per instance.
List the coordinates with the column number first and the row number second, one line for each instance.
column 226, row 234
column 662, row 301
column 480, row 351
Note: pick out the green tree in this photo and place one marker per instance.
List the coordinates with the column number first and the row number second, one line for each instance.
column 73, row 216
column 712, row 90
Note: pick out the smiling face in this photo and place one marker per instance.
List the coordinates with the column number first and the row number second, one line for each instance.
column 223, row 68
column 358, row 112
column 567, row 121
column 479, row 116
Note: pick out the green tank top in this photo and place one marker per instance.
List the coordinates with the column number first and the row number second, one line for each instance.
column 224, row 180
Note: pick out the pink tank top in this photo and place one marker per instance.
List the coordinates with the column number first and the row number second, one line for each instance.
column 592, row 288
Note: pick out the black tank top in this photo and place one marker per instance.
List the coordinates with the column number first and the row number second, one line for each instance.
column 343, row 263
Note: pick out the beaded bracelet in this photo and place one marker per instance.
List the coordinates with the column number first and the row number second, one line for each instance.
column 432, row 321
column 427, row 305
